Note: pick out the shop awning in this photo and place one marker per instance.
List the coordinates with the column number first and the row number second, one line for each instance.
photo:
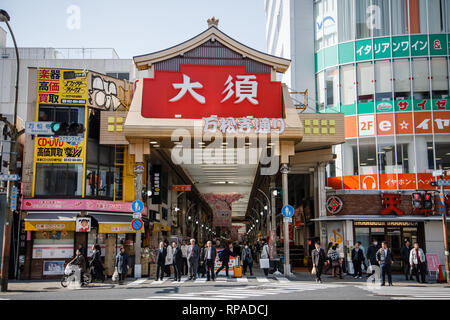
column 114, row 223
column 50, row 221
column 378, row 218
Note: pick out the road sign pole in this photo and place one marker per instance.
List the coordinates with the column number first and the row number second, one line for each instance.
column 138, row 170
column 284, row 175
column 444, row 228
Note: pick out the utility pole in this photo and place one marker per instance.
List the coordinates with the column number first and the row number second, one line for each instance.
column 14, row 135
column 284, row 175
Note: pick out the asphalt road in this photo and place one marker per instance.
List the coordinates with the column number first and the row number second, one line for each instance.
column 246, row 288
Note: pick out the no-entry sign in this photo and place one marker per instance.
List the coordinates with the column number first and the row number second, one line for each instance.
column 137, row 224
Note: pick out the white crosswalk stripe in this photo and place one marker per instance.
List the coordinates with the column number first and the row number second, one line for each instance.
column 282, row 279
column 137, row 282
column 248, row 292
column 408, row 293
column 243, row 279
column 262, row 279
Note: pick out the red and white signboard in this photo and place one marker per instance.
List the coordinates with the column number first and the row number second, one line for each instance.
column 181, row 188
column 198, row 91
column 432, row 261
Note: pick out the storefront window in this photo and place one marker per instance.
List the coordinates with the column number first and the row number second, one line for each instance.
column 383, row 85
column 367, row 156
column 332, row 87
column 421, row 81
column 379, row 17
column 365, row 79
column 418, row 16
column 347, row 84
column 364, row 21
column 58, row 179
column 439, row 79
column 436, row 16
column 346, row 20
column 402, row 84
column 399, row 17
column 320, row 91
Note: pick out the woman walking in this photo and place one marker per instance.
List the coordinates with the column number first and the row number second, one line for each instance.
column 247, row 258
column 122, row 264
column 95, row 265
column 333, row 254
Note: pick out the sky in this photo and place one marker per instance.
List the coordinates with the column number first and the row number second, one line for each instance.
column 132, row 27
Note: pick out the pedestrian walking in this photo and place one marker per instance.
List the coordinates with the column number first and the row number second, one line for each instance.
column 404, row 254
column 333, row 254
column 161, row 254
column 264, row 260
column 177, row 260
column 385, row 261
column 169, row 259
column 209, row 259
column 193, row 255
column 95, row 264
column 357, row 260
column 417, row 260
column 79, row 261
column 257, row 251
column 328, row 262
column 372, row 256
column 247, row 258
column 184, row 249
column 122, row 264
column 201, row 269
column 318, row 260
column 224, row 257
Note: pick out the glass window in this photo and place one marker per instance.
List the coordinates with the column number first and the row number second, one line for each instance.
column 329, row 23
column 379, row 17
column 399, row 17
column 348, row 81
column 442, row 151
column 424, row 160
column 386, row 155
column 421, row 81
column 62, row 114
column 105, row 155
column 447, row 6
column 383, row 84
column 418, row 16
column 320, row 91
column 402, row 158
column 365, row 82
column 367, row 156
column 346, row 20
column 332, row 87
column 118, row 183
column 91, row 181
column 402, row 85
column 58, row 179
column 350, row 157
column 439, row 78
column 318, row 17
column 363, row 19
column 406, row 159
column 436, row 16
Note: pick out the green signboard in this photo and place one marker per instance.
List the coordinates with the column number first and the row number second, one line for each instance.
column 384, row 106
column 422, row 104
column 382, row 48
column 419, row 45
column 403, row 105
column 363, row 50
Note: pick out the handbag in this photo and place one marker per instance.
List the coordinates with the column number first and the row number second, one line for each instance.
column 313, row 271
column 115, row 275
column 264, row 263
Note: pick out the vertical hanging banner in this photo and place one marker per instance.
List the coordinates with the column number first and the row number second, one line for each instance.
column 156, row 184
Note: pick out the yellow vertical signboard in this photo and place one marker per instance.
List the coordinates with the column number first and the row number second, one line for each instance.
column 61, row 90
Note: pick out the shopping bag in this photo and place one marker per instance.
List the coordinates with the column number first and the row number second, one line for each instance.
column 313, row 271
column 264, row 263
column 115, row 275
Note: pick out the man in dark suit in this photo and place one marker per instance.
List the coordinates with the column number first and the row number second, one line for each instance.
column 318, row 260
column 357, row 259
column 160, row 260
column 177, row 261
column 209, row 256
column 404, row 253
column 224, row 256
column 385, row 260
column 372, row 256
column 193, row 255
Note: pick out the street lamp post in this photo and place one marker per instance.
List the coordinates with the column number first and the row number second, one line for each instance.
column 14, row 135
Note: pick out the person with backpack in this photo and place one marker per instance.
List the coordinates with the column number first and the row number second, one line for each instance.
column 333, row 254
column 247, row 258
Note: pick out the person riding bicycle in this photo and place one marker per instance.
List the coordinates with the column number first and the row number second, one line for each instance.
column 79, row 261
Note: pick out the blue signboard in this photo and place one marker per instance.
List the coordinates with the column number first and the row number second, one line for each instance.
column 137, row 206
column 287, row 211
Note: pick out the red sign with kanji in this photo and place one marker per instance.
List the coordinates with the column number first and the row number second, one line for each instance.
column 390, row 202
column 198, row 91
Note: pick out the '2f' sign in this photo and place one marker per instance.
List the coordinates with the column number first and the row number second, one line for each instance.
column 73, row 21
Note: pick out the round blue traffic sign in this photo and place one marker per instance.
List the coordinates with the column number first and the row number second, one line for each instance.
column 137, row 206
column 137, row 224
column 287, row 211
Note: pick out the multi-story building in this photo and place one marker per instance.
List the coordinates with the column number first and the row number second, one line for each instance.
column 384, row 64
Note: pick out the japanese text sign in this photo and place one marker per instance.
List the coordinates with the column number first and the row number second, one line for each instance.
column 57, row 150
column 197, row 91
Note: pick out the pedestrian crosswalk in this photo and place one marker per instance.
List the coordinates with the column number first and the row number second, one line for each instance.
column 410, row 292
column 248, row 292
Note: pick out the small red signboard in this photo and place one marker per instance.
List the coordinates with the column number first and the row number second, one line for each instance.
column 181, row 188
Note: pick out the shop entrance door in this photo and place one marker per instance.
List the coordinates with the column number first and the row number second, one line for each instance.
column 394, row 239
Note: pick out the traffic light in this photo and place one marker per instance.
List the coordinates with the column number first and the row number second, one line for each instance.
column 417, row 200
column 66, row 129
column 428, row 201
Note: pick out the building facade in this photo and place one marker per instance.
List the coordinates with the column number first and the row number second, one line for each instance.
column 384, row 65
